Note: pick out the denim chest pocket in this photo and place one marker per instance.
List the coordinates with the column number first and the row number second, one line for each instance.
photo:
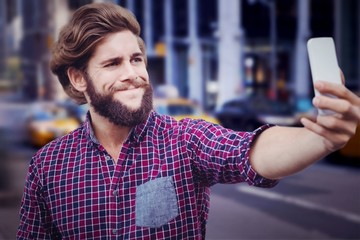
column 156, row 203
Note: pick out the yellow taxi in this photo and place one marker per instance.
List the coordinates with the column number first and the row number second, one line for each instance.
column 180, row 108
column 47, row 121
column 352, row 148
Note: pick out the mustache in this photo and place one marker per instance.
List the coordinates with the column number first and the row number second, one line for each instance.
column 130, row 85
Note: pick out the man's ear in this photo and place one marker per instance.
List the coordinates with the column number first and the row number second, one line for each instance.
column 77, row 79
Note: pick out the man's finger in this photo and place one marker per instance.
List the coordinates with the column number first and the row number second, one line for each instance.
column 336, row 124
column 342, row 77
column 337, row 105
column 337, row 90
column 332, row 140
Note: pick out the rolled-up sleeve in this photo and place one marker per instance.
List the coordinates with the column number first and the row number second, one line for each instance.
column 222, row 155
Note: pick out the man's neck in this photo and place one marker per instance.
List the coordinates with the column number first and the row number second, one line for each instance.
column 110, row 135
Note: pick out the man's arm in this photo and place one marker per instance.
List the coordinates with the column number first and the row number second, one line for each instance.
column 35, row 220
column 282, row 151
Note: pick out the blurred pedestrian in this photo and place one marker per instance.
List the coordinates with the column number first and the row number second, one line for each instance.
column 130, row 173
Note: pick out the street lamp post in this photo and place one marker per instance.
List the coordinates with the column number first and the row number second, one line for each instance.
column 148, row 33
column 130, row 4
column 2, row 35
column 35, row 51
column 301, row 76
column 271, row 4
column 170, row 70
column 230, row 82
column 273, row 58
column 196, row 80
column 358, row 68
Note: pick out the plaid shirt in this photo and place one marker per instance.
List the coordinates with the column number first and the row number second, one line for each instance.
column 159, row 188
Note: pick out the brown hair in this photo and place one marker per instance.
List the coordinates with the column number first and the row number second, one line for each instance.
column 77, row 41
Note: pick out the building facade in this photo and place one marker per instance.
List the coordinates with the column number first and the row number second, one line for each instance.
column 210, row 50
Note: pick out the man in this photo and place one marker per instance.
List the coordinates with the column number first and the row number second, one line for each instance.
column 129, row 173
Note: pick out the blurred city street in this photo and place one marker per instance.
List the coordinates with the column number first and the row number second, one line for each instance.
column 237, row 63
column 322, row 202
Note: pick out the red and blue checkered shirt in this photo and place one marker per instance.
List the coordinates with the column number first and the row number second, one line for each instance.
column 159, row 188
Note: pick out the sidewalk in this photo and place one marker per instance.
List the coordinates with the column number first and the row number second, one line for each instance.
column 10, row 194
column 9, row 216
column 13, row 169
column 14, row 160
column 13, row 172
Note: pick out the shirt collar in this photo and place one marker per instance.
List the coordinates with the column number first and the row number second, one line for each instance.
column 140, row 130
column 89, row 130
column 136, row 134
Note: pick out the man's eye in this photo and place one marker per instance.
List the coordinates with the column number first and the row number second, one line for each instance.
column 112, row 64
column 138, row 59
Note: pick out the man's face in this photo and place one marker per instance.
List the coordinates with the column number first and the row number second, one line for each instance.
column 117, row 81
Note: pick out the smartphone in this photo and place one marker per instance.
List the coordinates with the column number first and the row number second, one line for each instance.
column 323, row 63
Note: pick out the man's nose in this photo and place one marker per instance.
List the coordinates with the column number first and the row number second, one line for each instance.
column 128, row 72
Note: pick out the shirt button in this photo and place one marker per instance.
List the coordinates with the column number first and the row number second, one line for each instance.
column 116, row 192
column 114, row 231
column 108, row 158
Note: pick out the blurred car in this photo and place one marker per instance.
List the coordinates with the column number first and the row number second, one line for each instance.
column 75, row 110
column 247, row 114
column 46, row 121
column 180, row 108
column 349, row 154
column 352, row 148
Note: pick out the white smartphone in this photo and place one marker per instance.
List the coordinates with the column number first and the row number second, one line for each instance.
column 323, row 63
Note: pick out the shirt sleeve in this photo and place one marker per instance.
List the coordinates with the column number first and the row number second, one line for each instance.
column 222, row 155
column 35, row 220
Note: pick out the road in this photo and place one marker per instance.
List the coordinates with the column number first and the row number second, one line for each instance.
column 321, row 202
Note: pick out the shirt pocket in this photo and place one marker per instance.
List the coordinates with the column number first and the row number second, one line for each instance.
column 156, row 203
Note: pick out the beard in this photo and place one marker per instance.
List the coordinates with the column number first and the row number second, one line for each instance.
column 115, row 111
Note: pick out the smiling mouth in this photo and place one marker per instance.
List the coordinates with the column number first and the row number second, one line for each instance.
column 128, row 87
column 132, row 90
column 123, row 89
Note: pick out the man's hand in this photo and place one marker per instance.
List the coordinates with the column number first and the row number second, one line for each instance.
column 336, row 129
column 282, row 151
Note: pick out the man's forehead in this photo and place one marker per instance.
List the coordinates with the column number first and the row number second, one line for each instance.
column 118, row 44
